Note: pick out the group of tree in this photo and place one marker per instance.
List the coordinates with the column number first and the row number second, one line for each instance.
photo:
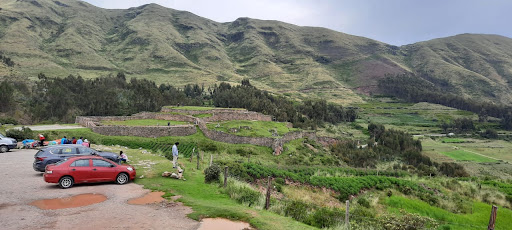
column 391, row 145
column 6, row 60
column 459, row 125
column 308, row 114
column 62, row 99
column 415, row 89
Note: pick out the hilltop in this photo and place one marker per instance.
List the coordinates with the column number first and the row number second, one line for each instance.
column 66, row 37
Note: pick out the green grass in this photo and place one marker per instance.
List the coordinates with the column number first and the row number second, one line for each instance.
column 476, row 220
column 462, row 155
column 257, row 128
column 203, row 115
column 197, row 108
column 206, row 200
column 453, row 140
column 144, row 122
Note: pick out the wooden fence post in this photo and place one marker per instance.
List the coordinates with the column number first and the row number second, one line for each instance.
column 492, row 220
column 267, row 198
column 249, row 158
column 225, row 176
column 211, row 159
column 192, row 154
column 347, row 223
column 198, row 153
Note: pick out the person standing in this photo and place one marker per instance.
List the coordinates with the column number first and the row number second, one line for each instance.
column 80, row 141
column 73, row 140
column 63, row 141
column 175, row 154
column 41, row 139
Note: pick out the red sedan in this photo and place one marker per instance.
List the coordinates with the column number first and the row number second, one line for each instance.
column 87, row 169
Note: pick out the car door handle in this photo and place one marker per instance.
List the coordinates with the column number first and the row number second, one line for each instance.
column 73, row 169
column 93, row 169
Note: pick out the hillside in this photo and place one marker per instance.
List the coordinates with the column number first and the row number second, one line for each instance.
column 66, row 37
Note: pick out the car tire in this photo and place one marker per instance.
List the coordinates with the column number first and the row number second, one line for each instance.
column 3, row 149
column 66, row 182
column 122, row 178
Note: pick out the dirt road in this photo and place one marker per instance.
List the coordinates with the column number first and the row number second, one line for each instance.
column 21, row 185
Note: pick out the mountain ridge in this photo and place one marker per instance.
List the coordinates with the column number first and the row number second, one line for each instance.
column 65, row 37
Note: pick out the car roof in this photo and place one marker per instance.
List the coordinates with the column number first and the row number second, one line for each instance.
column 63, row 146
column 88, row 157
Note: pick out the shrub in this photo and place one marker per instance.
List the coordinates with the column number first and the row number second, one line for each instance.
column 8, row 120
column 242, row 192
column 324, row 218
column 212, row 174
column 407, row 221
column 363, row 202
column 19, row 135
column 297, row 210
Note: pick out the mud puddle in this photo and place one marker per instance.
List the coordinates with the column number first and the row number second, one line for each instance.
column 69, row 202
column 150, row 198
column 222, row 224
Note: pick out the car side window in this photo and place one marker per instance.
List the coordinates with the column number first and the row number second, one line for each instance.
column 80, row 163
column 100, row 163
column 85, row 151
column 69, row 151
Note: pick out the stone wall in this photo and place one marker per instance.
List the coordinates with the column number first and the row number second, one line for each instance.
column 145, row 131
column 184, row 130
column 240, row 116
column 194, row 112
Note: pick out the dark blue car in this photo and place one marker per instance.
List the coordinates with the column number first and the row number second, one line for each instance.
column 56, row 153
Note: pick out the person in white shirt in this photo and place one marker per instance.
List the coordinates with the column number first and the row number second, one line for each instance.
column 175, row 154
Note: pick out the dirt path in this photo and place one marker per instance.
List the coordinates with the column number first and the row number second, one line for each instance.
column 21, row 185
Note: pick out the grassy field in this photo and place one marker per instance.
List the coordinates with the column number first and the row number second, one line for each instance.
column 462, row 155
column 144, row 122
column 478, row 219
column 251, row 128
column 198, row 108
column 453, row 140
column 493, row 149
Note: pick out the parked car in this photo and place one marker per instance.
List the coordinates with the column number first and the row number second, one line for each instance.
column 56, row 153
column 7, row 143
column 87, row 169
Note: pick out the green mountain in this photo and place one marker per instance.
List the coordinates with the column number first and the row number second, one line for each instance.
column 66, row 37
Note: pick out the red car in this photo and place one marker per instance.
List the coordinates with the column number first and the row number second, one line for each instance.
column 87, row 169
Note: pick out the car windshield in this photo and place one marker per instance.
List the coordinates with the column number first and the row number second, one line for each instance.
column 62, row 161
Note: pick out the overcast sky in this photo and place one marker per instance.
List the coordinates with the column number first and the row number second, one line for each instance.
column 396, row 22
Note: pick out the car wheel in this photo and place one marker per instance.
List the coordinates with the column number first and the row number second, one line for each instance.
column 3, row 149
column 66, row 182
column 122, row 178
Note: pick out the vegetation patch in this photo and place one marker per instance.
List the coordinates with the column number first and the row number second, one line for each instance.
column 252, row 128
column 453, row 140
column 478, row 219
column 144, row 122
column 462, row 155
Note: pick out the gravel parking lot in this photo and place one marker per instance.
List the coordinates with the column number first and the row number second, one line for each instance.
column 20, row 185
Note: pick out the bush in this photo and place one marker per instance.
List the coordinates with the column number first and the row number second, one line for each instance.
column 8, row 120
column 19, row 135
column 363, row 202
column 407, row 221
column 324, row 218
column 208, row 146
column 212, row 174
column 242, row 192
column 297, row 210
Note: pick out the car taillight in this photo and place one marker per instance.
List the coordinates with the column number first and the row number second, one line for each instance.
column 49, row 171
column 40, row 158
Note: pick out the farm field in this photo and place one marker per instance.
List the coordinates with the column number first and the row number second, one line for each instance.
column 144, row 122
column 469, row 149
column 251, row 128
